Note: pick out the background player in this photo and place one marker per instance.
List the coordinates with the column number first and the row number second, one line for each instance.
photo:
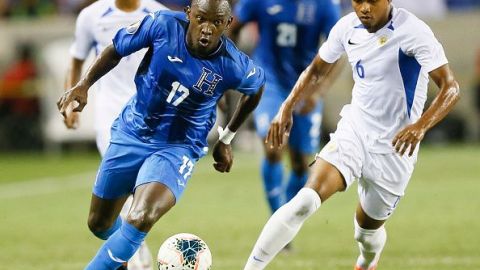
column 95, row 27
column 162, row 131
column 290, row 32
column 392, row 53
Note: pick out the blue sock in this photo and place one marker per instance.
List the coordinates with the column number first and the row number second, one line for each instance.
column 106, row 234
column 272, row 174
column 295, row 183
column 119, row 248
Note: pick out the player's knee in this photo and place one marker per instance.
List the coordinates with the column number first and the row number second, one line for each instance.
column 98, row 224
column 142, row 219
column 304, row 204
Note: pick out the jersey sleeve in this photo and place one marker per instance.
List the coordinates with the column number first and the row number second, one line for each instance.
column 138, row 35
column 423, row 45
column 84, row 39
column 331, row 15
column 252, row 80
column 246, row 10
column 332, row 49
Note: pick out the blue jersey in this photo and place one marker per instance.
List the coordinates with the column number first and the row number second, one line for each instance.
column 177, row 92
column 290, row 32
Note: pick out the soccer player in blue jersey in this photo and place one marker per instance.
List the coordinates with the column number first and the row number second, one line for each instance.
column 162, row 131
column 290, row 32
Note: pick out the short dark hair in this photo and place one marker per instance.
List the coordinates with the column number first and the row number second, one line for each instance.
column 230, row 2
column 195, row 2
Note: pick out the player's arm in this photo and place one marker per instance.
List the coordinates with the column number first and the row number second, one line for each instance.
column 222, row 150
column 73, row 76
column 312, row 97
column 105, row 62
column 308, row 81
column 127, row 41
column 331, row 13
column 443, row 103
column 245, row 106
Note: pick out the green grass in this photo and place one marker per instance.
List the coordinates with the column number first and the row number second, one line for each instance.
column 44, row 202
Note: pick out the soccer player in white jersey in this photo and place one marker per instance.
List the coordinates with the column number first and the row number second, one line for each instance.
column 96, row 26
column 392, row 53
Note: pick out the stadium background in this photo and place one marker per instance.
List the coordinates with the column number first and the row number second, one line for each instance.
column 46, row 172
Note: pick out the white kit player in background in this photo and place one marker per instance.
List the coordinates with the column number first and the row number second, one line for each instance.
column 392, row 54
column 96, row 26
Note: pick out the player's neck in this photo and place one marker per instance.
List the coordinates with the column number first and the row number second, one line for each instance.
column 127, row 5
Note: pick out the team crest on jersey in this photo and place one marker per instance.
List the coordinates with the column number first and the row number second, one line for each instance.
column 132, row 28
column 382, row 40
column 205, row 84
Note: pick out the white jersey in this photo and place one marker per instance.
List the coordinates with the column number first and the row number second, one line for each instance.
column 390, row 69
column 96, row 26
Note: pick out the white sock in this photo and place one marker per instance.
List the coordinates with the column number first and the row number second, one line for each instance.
column 282, row 227
column 370, row 243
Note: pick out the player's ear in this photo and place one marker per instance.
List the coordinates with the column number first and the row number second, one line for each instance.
column 187, row 11
column 229, row 22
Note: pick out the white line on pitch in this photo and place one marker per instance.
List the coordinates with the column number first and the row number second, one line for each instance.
column 45, row 185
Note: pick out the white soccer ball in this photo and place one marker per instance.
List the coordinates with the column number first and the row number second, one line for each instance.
column 184, row 251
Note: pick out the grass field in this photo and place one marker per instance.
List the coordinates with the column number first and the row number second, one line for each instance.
column 44, row 202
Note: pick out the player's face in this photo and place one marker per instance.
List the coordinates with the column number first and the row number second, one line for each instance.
column 208, row 20
column 372, row 13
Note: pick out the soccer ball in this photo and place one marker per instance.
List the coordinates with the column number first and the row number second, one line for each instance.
column 184, row 251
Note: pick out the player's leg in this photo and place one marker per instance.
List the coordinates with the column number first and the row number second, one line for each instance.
column 150, row 202
column 371, row 237
column 385, row 179
column 103, row 218
column 285, row 223
column 298, row 174
column 142, row 259
column 115, row 180
column 303, row 142
column 339, row 163
column 271, row 166
column 160, row 183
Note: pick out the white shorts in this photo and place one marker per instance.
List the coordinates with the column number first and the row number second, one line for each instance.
column 382, row 177
column 103, row 140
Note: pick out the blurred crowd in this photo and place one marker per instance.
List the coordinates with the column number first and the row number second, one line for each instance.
column 35, row 8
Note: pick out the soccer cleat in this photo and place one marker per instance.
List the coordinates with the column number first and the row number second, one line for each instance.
column 359, row 268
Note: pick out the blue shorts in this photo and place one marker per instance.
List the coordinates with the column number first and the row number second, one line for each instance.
column 305, row 133
column 129, row 163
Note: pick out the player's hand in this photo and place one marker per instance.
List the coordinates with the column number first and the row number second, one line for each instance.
column 222, row 154
column 71, row 120
column 409, row 137
column 280, row 127
column 78, row 95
